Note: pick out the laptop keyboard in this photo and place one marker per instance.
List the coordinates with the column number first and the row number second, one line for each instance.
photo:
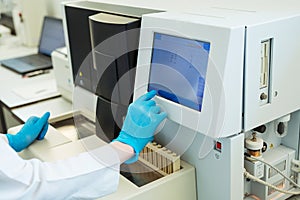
column 35, row 60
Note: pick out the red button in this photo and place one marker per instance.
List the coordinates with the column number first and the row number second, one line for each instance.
column 218, row 146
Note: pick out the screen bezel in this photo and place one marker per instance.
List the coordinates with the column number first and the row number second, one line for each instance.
column 175, row 112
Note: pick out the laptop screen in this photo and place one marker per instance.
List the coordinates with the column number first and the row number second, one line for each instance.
column 52, row 36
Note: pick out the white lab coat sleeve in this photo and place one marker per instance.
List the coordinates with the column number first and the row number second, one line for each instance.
column 3, row 136
column 87, row 176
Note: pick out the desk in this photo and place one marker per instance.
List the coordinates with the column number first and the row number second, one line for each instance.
column 59, row 108
column 17, row 92
column 24, row 97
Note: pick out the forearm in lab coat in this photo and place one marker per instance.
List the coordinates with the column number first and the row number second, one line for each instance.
column 87, row 176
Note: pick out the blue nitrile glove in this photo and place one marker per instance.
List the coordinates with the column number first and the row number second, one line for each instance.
column 34, row 128
column 142, row 119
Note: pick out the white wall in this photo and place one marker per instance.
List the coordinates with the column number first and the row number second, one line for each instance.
column 33, row 12
column 54, row 7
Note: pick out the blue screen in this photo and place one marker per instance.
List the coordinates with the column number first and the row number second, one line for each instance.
column 52, row 35
column 178, row 69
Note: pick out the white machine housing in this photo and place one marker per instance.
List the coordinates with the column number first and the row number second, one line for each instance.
column 63, row 73
column 234, row 67
column 232, row 102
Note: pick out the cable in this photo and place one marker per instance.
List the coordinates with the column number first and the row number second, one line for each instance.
column 250, row 176
column 282, row 174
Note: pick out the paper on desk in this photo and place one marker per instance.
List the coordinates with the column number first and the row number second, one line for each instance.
column 46, row 88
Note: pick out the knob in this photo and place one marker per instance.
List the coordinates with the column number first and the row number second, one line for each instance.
column 280, row 128
column 263, row 96
column 260, row 129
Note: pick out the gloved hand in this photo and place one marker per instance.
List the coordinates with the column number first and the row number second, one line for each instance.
column 142, row 119
column 34, row 128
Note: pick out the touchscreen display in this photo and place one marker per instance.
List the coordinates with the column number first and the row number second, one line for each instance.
column 178, row 69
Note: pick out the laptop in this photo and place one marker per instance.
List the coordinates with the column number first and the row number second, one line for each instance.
column 52, row 37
